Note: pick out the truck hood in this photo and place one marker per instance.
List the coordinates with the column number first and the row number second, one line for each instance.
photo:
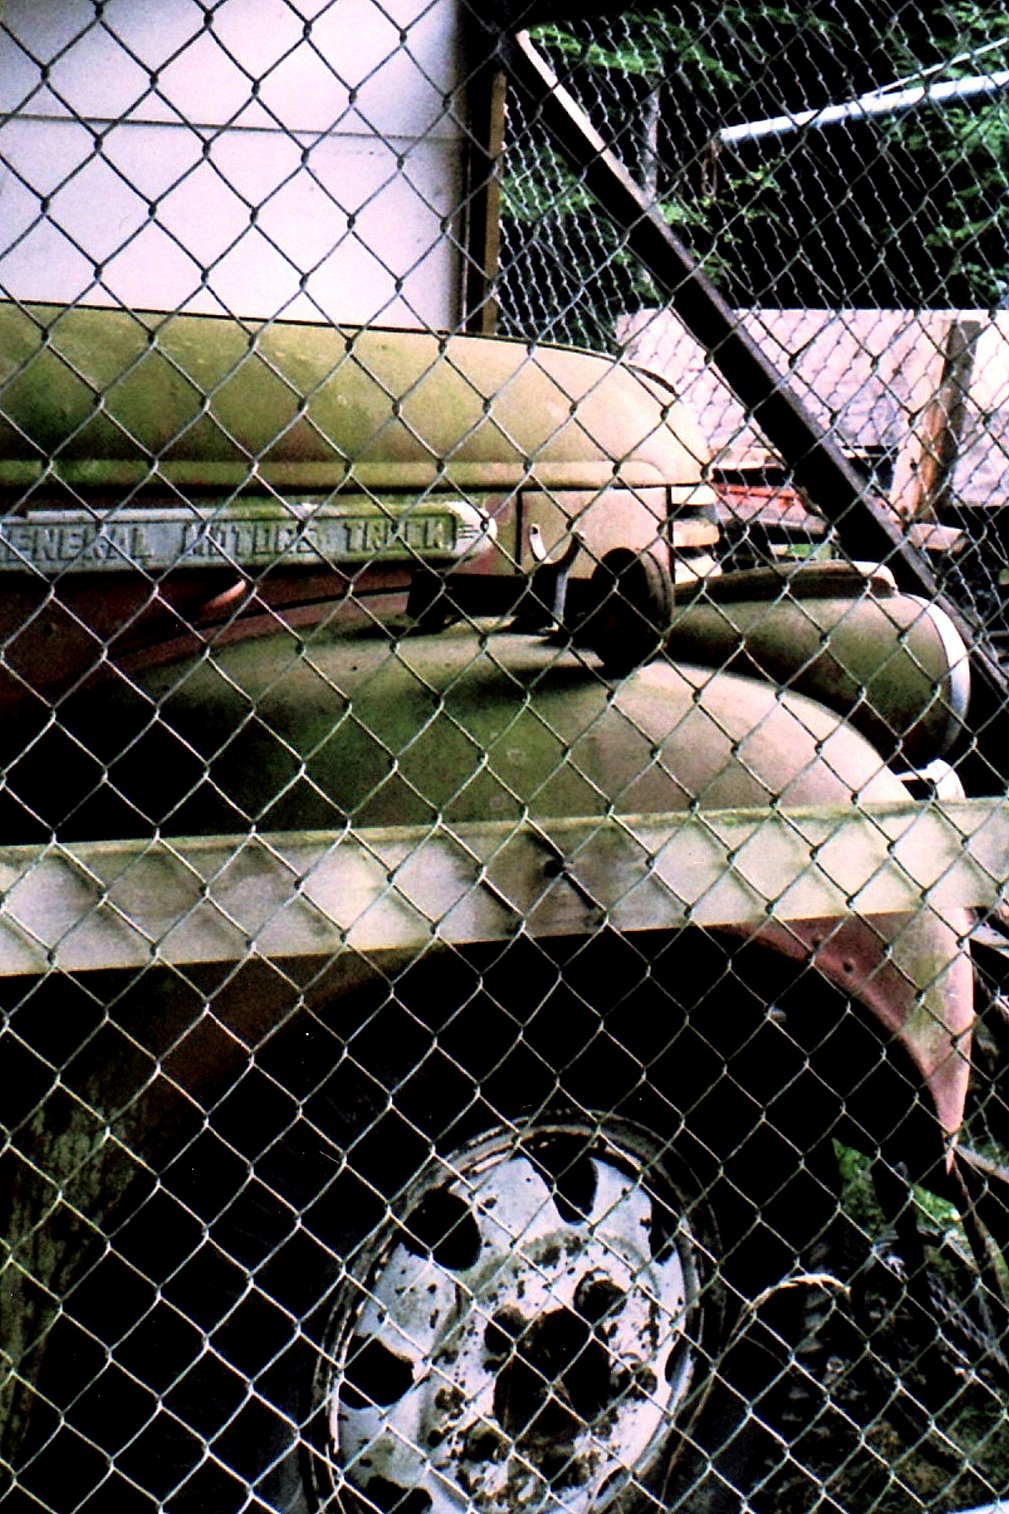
column 106, row 400
column 370, row 725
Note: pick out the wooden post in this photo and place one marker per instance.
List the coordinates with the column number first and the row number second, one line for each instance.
column 942, row 424
column 483, row 241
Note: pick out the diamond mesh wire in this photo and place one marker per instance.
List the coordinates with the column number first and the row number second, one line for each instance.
column 501, row 895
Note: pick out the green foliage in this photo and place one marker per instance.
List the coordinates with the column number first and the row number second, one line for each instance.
column 911, row 209
column 549, row 190
column 964, row 151
column 643, row 54
column 937, row 1217
column 655, row 43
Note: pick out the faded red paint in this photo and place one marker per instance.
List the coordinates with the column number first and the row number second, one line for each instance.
column 931, row 1013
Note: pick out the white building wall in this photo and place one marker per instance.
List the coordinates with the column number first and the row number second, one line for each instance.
column 257, row 157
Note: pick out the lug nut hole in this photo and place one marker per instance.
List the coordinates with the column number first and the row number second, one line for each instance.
column 374, row 1375
column 443, row 1227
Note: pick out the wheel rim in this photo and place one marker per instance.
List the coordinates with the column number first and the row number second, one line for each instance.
column 526, row 1338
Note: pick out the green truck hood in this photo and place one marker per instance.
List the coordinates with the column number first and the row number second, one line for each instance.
column 372, row 727
column 115, row 400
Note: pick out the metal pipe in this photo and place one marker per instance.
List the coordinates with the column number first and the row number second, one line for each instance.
column 879, row 103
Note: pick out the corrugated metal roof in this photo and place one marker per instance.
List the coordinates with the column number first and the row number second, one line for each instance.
column 869, row 376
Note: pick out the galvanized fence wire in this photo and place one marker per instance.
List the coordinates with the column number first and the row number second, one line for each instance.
column 501, row 891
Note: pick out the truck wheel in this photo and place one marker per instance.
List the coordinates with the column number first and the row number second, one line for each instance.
column 420, row 1258
column 563, row 1285
column 529, row 1328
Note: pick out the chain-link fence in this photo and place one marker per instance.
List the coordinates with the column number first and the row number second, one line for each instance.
column 504, row 736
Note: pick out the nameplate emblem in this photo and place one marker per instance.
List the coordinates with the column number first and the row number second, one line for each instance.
column 295, row 534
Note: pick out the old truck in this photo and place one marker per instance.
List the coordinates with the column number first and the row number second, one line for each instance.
column 419, row 935
column 446, row 923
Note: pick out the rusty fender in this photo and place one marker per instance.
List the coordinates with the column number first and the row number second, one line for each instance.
column 913, row 974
